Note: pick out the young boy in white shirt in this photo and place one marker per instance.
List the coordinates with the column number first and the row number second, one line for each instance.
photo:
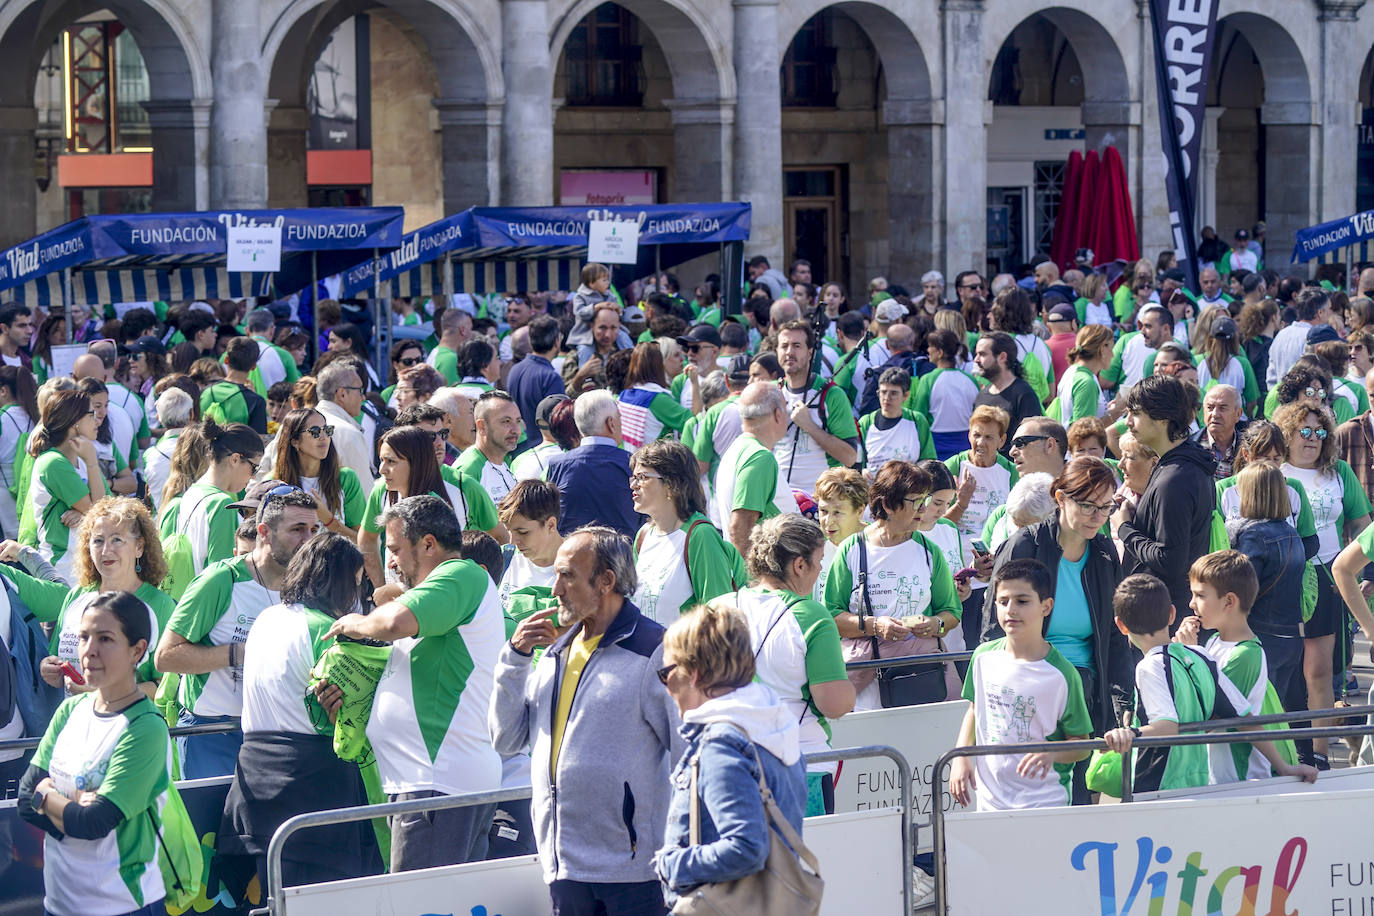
column 1176, row 684
column 1224, row 586
column 1023, row 691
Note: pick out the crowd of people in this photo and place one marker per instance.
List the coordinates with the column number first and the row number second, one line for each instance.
column 619, row 547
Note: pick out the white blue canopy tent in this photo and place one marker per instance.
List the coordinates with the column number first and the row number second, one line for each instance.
column 142, row 257
column 521, row 249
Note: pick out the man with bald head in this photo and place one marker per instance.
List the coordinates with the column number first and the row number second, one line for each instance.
column 749, row 484
column 1355, row 439
column 1223, row 427
column 1039, row 444
column 1366, row 283
column 88, row 365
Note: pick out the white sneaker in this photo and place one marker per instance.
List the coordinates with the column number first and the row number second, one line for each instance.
column 922, row 889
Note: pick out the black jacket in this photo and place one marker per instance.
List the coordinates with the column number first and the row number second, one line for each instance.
column 1113, row 656
column 1173, row 520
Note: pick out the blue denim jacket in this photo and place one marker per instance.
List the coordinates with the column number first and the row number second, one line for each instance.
column 1275, row 551
column 734, row 826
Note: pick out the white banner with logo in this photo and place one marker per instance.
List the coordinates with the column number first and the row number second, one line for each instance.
column 860, row 856
column 1282, row 855
column 922, row 734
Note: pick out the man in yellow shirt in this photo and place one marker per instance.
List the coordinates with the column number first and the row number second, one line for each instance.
column 600, row 727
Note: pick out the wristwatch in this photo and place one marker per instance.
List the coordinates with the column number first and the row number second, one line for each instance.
column 39, row 795
column 942, row 626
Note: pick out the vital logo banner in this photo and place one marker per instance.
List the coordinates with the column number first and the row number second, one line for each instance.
column 1184, row 31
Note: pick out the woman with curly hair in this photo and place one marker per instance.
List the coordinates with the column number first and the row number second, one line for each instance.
column 118, row 550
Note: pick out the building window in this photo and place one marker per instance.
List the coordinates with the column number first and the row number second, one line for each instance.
column 603, row 60
column 1049, row 189
column 809, row 78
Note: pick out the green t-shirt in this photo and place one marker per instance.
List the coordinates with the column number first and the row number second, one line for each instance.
column 218, row 608
column 471, row 504
column 815, row 637
column 1228, row 504
column 230, row 398
column 55, row 485
column 1083, row 395
column 208, row 523
column 907, row 440
column 122, row 758
column 906, row 580
column 446, row 362
column 748, row 479
column 800, row 456
column 713, row 568
column 703, row 436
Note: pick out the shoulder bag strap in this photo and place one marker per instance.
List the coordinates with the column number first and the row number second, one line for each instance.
column 786, row 609
column 694, row 815
column 780, row 823
column 865, row 605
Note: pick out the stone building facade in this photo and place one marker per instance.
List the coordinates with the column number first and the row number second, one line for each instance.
column 875, row 138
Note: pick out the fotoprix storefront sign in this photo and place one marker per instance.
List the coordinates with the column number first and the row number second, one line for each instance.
column 1278, row 855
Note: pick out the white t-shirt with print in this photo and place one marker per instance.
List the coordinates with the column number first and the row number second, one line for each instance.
column 1326, row 495
column 664, row 582
column 522, row 573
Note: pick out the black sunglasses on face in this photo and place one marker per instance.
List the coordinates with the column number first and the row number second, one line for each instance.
column 318, row 431
column 664, row 672
column 410, row 360
column 1023, row 441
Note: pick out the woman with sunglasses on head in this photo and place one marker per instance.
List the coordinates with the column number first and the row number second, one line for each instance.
column 409, row 468
column 65, row 479
column 1340, row 508
column 404, row 354
column 98, row 782
column 1085, row 569
column 306, row 458
column 117, row 550
column 890, row 581
column 205, row 512
column 681, row 557
column 1309, row 383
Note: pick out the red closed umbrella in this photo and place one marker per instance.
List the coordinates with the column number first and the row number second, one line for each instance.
column 1089, row 201
column 1114, row 236
column 1065, row 243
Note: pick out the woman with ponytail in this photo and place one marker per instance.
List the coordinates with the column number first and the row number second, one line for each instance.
column 18, row 411
column 205, row 513
column 65, row 480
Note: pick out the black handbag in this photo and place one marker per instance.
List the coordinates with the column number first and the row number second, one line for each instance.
column 910, row 685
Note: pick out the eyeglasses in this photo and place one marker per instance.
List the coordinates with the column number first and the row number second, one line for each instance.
column 972, row 286
column 1093, row 508
column 638, row 479
column 1023, row 441
column 410, row 360
column 441, row 434
column 280, row 490
column 358, row 388
column 664, row 672
column 1318, row 393
column 1308, row 432
column 317, row 432
column 917, row 502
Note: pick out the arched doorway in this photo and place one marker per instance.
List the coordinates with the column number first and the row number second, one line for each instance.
column 105, row 111
column 1259, row 135
column 1058, row 83
column 858, row 205
column 386, row 104
column 644, row 103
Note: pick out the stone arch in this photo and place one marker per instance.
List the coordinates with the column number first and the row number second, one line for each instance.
column 462, row 42
column 681, row 30
column 1287, row 121
column 907, row 74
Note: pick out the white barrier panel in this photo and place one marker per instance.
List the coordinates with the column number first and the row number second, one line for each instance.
column 922, row 734
column 1281, row 855
column 1331, row 781
column 860, row 856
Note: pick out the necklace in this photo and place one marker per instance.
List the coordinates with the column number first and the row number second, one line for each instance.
column 119, row 703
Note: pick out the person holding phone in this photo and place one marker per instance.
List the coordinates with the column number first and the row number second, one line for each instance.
column 968, row 558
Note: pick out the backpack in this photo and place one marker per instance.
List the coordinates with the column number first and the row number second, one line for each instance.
column 216, row 409
column 178, row 554
column 731, row 552
column 819, row 404
column 179, row 855
column 868, row 400
column 22, row 688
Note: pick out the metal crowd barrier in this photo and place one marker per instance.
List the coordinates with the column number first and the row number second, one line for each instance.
column 909, row 660
column 301, row 822
column 1195, row 733
column 212, row 728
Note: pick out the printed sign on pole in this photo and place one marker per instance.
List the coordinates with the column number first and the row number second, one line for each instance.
column 613, row 241
column 254, row 249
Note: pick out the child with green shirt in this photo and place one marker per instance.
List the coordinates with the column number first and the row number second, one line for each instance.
column 1176, row 685
column 1224, row 585
column 1023, row 691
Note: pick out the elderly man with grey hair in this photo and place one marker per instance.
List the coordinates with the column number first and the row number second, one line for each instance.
column 610, row 752
column 749, row 484
column 1223, row 419
column 340, row 389
column 933, row 291
column 593, row 479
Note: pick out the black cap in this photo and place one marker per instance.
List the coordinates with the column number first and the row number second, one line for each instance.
column 544, row 409
column 1063, row 312
column 1321, row 333
column 1224, row 328
column 700, row 333
column 1242, row 235
column 737, row 370
column 148, row 344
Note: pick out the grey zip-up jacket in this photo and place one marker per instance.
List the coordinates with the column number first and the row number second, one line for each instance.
column 604, row 815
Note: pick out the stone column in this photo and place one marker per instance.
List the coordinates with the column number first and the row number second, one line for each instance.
column 1341, row 59
column 1207, row 177
column 1149, row 197
column 526, row 173
column 287, row 127
column 758, row 127
column 238, row 124
column 180, row 139
column 1112, row 123
column 470, row 132
column 702, row 133
column 19, row 216
column 914, row 217
column 967, row 114
column 1290, row 149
